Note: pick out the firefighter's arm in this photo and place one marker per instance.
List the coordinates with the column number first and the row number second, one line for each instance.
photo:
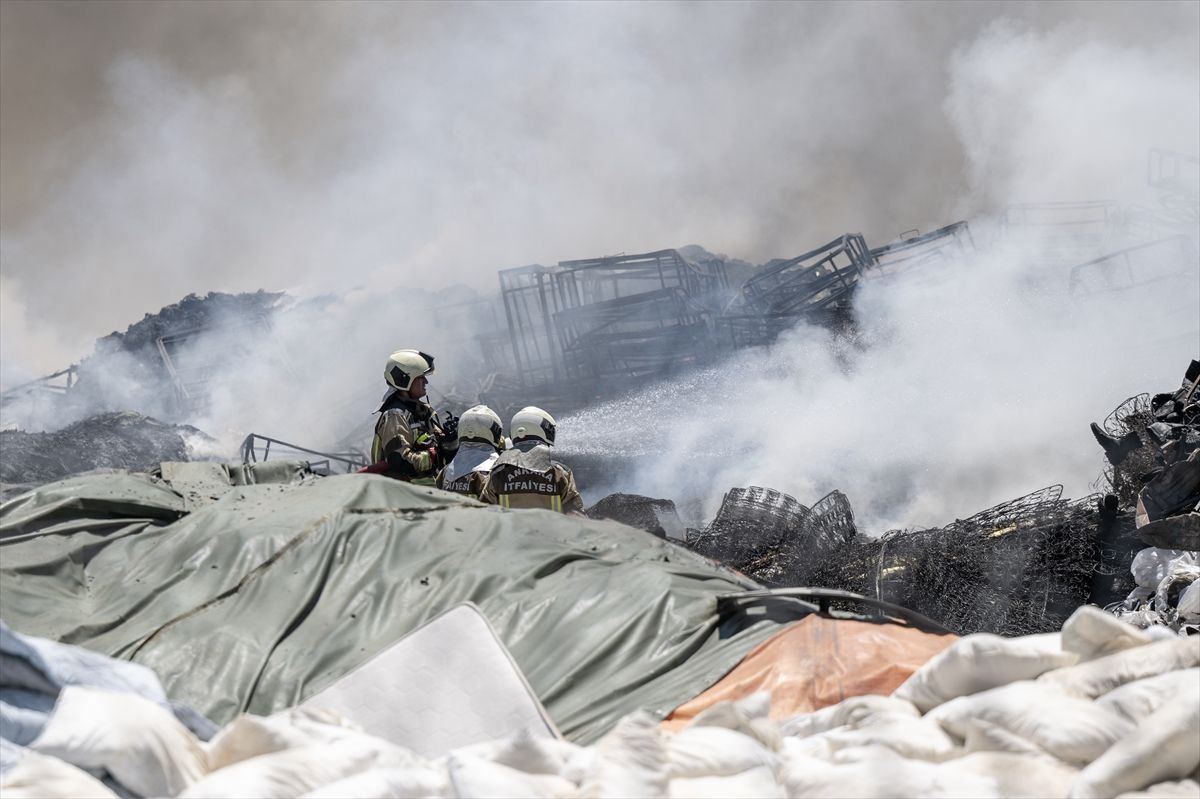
column 403, row 450
column 476, row 483
column 572, row 502
column 488, row 492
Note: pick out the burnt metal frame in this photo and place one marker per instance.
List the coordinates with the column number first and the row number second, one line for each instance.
column 593, row 343
column 1079, row 227
column 809, row 282
column 1118, row 265
column 1107, row 207
column 352, row 460
column 529, row 303
column 71, row 373
column 1165, row 171
column 550, row 310
column 582, row 282
column 906, row 253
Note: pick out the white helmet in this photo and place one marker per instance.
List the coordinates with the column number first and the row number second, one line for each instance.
column 404, row 366
column 531, row 422
column 480, row 423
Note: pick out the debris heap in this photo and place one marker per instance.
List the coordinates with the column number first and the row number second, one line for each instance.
column 121, row 440
column 1153, row 448
column 160, row 366
column 1020, row 567
column 657, row 516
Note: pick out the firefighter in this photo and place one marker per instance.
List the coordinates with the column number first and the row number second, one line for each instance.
column 524, row 476
column 480, row 440
column 410, row 443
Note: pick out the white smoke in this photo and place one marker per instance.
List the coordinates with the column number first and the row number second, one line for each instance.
column 149, row 152
column 977, row 384
column 377, row 152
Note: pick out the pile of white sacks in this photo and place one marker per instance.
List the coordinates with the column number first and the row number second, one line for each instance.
column 1101, row 709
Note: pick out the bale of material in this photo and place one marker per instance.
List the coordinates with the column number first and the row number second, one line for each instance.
column 118, row 440
column 656, row 516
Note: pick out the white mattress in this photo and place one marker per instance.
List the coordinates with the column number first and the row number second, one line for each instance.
column 448, row 684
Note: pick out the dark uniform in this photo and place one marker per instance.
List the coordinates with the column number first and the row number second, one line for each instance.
column 410, row 439
column 526, row 477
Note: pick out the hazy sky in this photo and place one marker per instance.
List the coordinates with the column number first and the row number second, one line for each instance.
column 149, row 150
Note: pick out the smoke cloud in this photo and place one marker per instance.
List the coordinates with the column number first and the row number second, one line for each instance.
column 974, row 385
column 153, row 151
column 372, row 154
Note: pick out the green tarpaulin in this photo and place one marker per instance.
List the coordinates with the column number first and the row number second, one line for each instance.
column 250, row 589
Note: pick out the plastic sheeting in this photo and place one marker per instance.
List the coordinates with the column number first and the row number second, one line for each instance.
column 820, row 661
column 262, row 594
column 33, row 671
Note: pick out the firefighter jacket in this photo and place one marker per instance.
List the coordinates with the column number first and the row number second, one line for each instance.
column 410, row 439
column 469, row 470
column 526, row 477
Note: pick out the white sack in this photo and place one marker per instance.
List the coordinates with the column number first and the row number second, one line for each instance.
column 629, row 761
column 249, row 736
column 857, row 711
column 1017, row 776
column 387, row 783
column 986, row 737
column 295, row 772
column 579, row 765
column 475, row 778
column 715, row 752
column 755, row 783
column 749, row 716
column 979, row 662
column 1189, row 604
column 1152, row 564
column 525, row 751
column 38, row 776
column 1097, row 677
column 916, row 738
column 142, row 744
column 1091, row 632
column 1183, row 789
column 880, row 773
column 1140, row 698
column 1071, row 729
column 812, row 747
column 1165, row 746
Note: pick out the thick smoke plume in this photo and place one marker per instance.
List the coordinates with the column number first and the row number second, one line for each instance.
column 975, row 385
column 374, row 154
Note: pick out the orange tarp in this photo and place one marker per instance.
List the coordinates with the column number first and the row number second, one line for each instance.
column 818, row 662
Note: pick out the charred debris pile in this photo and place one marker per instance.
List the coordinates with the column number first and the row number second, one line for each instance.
column 159, row 366
column 116, row 440
column 1020, row 567
column 1152, row 444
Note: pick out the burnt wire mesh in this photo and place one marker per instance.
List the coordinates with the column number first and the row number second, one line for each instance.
column 1020, row 567
column 1131, row 417
column 749, row 530
column 770, row 535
